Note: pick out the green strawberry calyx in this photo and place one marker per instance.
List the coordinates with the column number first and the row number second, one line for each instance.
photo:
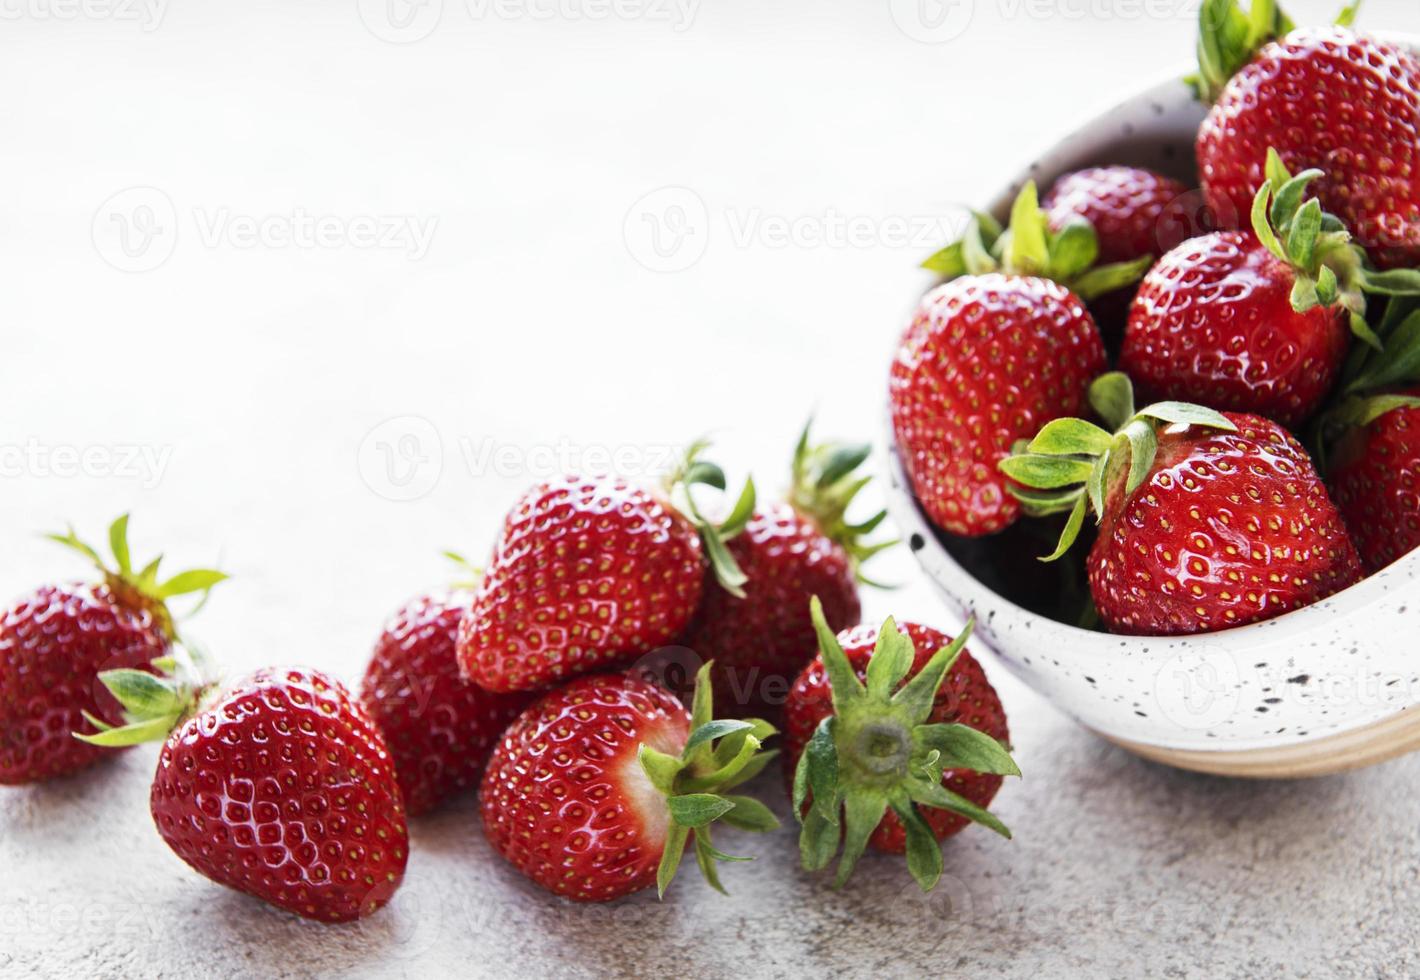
column 826, row 480
column 718, row 757
column 877, row 751
column 1229, row 36
column 694, row 471
column 1330, row 269
column 1029, row 246
column 1071, row 465
column 154, row 704
column 140, row 586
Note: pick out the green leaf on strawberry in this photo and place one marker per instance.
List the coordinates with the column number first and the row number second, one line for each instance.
column 141, row 587
column 1030, row 247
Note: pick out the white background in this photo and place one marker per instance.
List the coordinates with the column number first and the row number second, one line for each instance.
column 264, row 377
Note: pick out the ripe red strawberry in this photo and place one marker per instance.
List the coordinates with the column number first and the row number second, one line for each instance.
column 56, row 640
column 1207, row 521
column 789, row 551
column 1374, row 475
column 439, row 728
column 1323, row 97
column 991, row 355
column 595, row 790
column 1134, row 212
column 862, row 741
column 1252, row 321
column 278, row 786
column 591, row 572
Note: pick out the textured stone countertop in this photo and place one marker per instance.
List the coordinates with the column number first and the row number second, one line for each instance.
column 230, row 370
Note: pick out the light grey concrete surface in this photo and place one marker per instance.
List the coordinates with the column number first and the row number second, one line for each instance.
column 534, row 322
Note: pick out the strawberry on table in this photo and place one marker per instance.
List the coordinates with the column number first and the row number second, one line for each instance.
column 56, row 640
column 1207, row 520
column 592, row 572
column 885, row 721
column 1322, row 97
column 1001, row 348
column 438, row 727
column 278, row 785
column 789, row 551
column 595, row 791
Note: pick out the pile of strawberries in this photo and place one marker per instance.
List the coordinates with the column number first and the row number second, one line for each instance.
column 1274, row 342
column 542, row 679
column 594, row 779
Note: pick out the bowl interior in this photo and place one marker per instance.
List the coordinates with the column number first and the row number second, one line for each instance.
column 1333, row 667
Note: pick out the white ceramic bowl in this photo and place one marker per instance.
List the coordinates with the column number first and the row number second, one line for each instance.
column 1326, row 688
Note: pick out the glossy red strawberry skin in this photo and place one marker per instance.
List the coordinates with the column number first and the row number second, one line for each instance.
column 1375, row 479
column 438, row 727
column 965, row 697
column 1135, row 212
column 282, row 788
column 1229, row 528
column 761, row 642
column 985, row 361
column 564, row 798
column 1326, row 98
column 589, row 573
column 1213, row 323
column 53, row 643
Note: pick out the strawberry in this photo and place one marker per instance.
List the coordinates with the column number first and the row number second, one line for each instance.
column 56, row 640
column 1375, row 476
column 1255, row 321
column 868, row 749
column 1323, row 97
column 438, row 727
column 1134, row 213
column 789, row 551
column 993, row 353
column 591, row 572
column 596, row 789
column 278, row 786
column 1207, row 520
